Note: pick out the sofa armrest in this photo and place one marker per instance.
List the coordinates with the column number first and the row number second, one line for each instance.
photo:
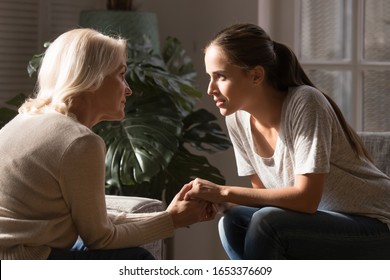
column 132, row 204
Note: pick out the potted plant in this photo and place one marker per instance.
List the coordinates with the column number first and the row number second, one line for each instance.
column 7, row 113
column 126, row 5
column 160, row 144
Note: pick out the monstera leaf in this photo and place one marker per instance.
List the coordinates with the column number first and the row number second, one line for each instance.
column 202, row 132
column 184, row 167
column 141, row 145
column 8, row 113
column 197, row 130
column 149, row 75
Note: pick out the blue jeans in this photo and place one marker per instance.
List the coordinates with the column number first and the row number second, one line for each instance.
column 80, row 252
column 274, row 233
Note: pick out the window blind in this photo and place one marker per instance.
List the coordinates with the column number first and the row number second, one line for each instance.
column 24, row 27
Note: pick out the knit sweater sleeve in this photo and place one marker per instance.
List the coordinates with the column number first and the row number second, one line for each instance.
column 82, row 175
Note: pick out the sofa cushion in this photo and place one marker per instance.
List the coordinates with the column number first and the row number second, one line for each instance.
column 378, row 144
column 133, row 204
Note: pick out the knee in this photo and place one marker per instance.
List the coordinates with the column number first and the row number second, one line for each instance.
column 239, row 215
column 268, row 216
column 227, row 223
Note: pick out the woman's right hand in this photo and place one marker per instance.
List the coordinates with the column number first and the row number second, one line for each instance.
column 187, row 212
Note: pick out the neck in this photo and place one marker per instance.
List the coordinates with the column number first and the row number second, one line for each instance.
column 266, row 109
column 82, row 108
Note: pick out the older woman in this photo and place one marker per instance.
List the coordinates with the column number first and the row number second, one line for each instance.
column 53, row 166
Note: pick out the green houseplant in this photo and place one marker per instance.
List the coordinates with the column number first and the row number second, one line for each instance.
column 160, row 144
column 7, row 113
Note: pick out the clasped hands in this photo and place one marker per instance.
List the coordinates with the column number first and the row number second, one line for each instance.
column 197, row 201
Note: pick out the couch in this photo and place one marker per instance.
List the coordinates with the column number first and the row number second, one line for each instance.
column 138, row 205
column 378, row 143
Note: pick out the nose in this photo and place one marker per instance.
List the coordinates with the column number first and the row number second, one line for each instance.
column 211, row 88
column 128, row 90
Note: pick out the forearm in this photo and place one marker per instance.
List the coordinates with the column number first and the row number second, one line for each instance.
column 304, row 196
column 289, row 197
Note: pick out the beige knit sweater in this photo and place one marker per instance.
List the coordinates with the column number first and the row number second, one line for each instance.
column 52, row 191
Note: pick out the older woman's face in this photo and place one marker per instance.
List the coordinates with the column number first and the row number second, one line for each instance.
column 110, row 98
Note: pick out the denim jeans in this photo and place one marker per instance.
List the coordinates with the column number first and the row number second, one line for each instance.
column 274, row 233
column 80, row 252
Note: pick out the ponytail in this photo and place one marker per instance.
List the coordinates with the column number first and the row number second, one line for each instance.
column 289, row 73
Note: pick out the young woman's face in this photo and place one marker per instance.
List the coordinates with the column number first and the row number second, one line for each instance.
column 110, row 98
column 229, row 84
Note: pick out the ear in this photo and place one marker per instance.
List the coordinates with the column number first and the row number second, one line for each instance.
column 258, row 75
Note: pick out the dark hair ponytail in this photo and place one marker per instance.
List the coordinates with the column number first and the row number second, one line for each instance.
column 288, row 71
column 248, row 46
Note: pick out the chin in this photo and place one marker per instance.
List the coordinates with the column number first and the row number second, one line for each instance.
column 118, row 117
column 225, row 112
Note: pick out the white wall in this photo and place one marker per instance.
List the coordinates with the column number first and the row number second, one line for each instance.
column 194, row 23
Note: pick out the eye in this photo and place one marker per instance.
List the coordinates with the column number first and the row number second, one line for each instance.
column 221, row 77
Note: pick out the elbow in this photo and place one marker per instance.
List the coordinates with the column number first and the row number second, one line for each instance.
column 307, row 204
column 311, row 210
column 310, row 207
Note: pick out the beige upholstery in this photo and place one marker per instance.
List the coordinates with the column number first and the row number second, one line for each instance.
column 134, row 204
column 378, row 144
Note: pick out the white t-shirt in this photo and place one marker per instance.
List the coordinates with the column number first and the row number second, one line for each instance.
column 311, row 140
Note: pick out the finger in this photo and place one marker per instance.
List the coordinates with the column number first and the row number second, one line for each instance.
column 206, row 213
column 184, row 190
column 211, row 210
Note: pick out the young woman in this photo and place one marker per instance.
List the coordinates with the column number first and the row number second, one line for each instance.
column 315, row 192
column 53, row 166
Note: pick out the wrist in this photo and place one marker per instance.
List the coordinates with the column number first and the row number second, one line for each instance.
column 224, row 193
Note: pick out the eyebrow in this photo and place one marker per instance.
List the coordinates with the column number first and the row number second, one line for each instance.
column 217, row 72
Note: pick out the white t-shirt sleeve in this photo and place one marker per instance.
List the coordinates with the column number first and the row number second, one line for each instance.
column 309, row 120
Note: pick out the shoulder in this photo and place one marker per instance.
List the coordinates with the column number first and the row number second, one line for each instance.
column 67, row 125
column 306, row 108
column 305, row 95
column 60, row 130
column 306, row 99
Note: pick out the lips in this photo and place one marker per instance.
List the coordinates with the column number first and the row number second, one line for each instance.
column 219, row 102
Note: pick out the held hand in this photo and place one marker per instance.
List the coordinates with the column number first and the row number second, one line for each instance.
column 224, row 206
column 187, row 212
column 203, row 189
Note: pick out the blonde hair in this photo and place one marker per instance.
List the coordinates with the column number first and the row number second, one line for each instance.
column 75, row 63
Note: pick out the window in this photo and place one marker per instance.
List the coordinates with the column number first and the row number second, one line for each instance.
column 344, row 46
column 24, row 27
